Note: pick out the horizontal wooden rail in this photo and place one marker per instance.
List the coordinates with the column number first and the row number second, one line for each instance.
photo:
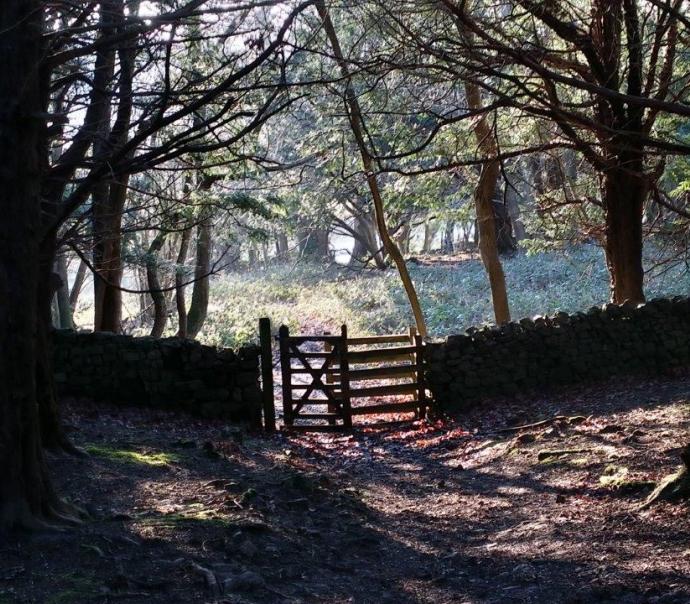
column 371, row 373
column 314, row 401
column 310, row 355
column 405, row 407
column 303, row 339
column 320, row 416
column 323, row 388
column 380, row 354
column 387, row 339
column 387, row 390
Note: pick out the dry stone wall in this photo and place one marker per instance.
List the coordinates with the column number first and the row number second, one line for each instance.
column 548, row 352
column 169, row 373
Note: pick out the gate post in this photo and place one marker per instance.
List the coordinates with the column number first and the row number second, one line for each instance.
column 421, row 378
column 283, row 335
column 267, row 375
column 345, row 379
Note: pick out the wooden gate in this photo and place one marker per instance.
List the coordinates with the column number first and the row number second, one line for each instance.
column 329, row 379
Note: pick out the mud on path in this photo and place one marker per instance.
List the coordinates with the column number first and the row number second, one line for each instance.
column 459, row 511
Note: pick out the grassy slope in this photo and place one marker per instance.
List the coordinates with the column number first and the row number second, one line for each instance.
column 454, row 297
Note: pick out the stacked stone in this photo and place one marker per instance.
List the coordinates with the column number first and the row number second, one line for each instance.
column 169, row 373
column 551, row 351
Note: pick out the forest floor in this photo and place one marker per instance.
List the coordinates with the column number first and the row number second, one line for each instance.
column 459, row 511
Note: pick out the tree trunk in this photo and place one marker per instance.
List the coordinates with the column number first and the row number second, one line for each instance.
column 505, row 242
column 367, row 246
column 483, row 201
column 77, row 285
column 429, row 233
column 403, row 238
column 160, row 309
column 513, row 210
column 180, row 278
column 52, row 434
column 282, row 247
column 109, row 206
column 199, row 305
column 106, row 300
column 314, row 243
column 447, row 246
column 110, row 269
column 62, row 294
column 624, row 194
column 26, row 493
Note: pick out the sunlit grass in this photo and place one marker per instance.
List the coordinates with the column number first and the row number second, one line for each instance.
column 454, row 297
column 135, row 457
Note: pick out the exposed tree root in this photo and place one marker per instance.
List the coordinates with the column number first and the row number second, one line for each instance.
column 65, row 446
column 56, row 517
column 673, row 487
column 558, row 418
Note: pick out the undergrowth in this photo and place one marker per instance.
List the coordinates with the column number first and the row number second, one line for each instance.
column 314, row 299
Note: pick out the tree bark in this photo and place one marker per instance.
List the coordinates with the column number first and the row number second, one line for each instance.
column 62, row 294
column 77, row 285
column 429, row 233
column 160, row 309
column 624, row 194
column 199, row 305
column 483, row 201
column 447, row 246
column 26, row 494
column 367, row 246
column 180, row 278
column 282, row 247
column 505, row 241
column 109, row 199
column 52, row 434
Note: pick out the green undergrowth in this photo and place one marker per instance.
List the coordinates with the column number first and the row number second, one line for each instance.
column 133, row 457
column 311, row 298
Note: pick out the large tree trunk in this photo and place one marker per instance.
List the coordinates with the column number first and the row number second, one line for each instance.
column 624, row 193
column 483, row 201
column 106, row 232
column 199, row 305
column 109, row 206
column 25, row 490
column 107, row 260
column 180, row 278
column 160, row 309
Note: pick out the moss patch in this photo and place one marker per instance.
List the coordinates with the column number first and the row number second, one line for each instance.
column 135, row 457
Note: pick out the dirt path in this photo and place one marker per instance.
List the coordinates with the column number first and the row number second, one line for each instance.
column 187, row 511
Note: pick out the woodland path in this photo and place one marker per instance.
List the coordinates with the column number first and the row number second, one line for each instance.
column 190, row 511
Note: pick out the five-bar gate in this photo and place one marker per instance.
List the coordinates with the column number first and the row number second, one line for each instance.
column 329, row 379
